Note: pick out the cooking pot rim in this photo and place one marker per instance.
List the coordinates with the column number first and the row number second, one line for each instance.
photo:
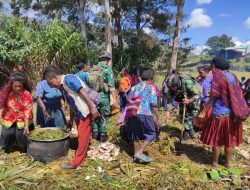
column 53, row 128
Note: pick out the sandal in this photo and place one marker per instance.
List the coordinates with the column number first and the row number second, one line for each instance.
column 143, row 158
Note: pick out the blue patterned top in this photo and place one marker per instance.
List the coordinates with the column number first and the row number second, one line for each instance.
column 149, row 97
column 48, row 94
column 219, row 107
column 206, row 88
column 83, row 76
column 75, row 85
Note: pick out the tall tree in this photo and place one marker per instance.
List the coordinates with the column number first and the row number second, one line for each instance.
column 117, row 16
column 108, row 28
column 83, row 23
column 176, row 38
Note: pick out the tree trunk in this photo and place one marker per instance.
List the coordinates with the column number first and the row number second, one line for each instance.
column 83, row 24
column 108, row 27
column 176, row 37
column 138, row 31
column 117, row 17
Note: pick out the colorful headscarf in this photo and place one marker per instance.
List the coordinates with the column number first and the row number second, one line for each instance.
column 8, row 87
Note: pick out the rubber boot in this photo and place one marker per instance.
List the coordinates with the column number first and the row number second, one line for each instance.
column 192, row 133
column 103, row 137
column 185, row 135
column 95, row 135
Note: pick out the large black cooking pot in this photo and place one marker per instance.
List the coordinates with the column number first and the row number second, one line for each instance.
column 48, row 150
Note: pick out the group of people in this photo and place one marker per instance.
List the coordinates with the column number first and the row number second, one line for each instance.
column 89, row 92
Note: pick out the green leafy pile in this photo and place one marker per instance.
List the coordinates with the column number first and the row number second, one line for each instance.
column 48, row 134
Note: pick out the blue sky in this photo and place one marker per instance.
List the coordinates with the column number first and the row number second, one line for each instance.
column 217, row 17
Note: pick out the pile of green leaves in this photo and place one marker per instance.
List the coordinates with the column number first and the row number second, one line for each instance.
column 48, row 134
column 218, row 174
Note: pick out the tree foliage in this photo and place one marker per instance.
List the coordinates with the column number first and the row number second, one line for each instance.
column 216, row 43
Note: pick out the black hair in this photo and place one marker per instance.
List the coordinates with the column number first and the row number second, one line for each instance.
column 243, row 78
column 204, row 67
column 17, row 76
column 221, row 63
column 81, row 65
column 147, row 75
column 51, row 71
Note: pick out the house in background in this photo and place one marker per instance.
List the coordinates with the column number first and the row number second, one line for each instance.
column 231, row 53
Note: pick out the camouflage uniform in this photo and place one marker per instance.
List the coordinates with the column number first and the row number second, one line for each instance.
column 193, row 91
column 104, row 106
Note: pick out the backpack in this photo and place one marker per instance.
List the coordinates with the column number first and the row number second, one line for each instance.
column 190, row 84
column 96, row 79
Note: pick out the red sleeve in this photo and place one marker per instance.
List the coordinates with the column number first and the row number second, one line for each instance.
column 27, row 105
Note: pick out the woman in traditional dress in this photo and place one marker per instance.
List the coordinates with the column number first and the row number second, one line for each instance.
column 16, row 102
column 223, row 129
column 206, row 78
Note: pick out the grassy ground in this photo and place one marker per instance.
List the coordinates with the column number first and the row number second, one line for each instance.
column 175, row 166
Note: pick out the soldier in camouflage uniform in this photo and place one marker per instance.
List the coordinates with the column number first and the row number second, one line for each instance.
column 183, row 90
column 100, row 123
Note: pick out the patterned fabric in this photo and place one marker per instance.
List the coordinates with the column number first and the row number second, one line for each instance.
column 149, row 98
column 174, row 99
column 101, row 123
column 219, row 107
column 134, row 80
column 226, row 87
column 4, row 94
column 104, row 109
column 158, row 92
column 7, row 88
column 206, row 88
column 108, row 76
column 83, row 76
column 18, row 107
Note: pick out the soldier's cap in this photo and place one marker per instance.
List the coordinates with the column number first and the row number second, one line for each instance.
column 173, row 80
column 105, row 56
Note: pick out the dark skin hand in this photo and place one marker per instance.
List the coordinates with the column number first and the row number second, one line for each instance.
column 90, row 104
column 46, row 114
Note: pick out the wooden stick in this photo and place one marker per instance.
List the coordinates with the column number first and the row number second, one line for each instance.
column 183, row 120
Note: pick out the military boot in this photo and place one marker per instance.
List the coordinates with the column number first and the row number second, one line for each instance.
column 192, row 133
column 185, row 135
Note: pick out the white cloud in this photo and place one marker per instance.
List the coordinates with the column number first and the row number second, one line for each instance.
column 203, row 1
column 247, row 22
column 198, row 49
column 199, row 19
column 240, row 44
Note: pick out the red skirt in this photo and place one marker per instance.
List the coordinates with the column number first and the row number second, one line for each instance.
column 222, row 132
column 202, row 123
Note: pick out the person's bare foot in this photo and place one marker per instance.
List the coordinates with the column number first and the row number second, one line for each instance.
column 214, row 165
column 227, row 165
